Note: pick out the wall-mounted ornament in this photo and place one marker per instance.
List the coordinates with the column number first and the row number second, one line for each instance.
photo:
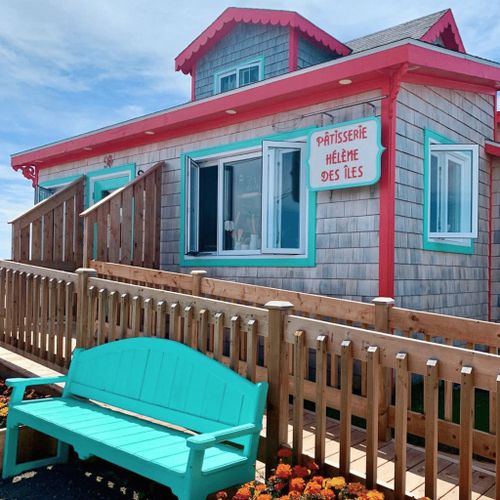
column 30, row 172
column 108, row 161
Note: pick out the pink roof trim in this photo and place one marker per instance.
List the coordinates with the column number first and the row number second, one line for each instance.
column 233, row 15
column 446, row 21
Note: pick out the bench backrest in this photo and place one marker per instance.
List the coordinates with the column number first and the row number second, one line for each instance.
column 168, row 381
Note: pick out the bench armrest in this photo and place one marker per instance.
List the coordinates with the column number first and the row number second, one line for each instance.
column 209, row 439
column 19, row 385
column 26, row 382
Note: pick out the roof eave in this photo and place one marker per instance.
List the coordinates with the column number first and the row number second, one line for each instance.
column 288, row 86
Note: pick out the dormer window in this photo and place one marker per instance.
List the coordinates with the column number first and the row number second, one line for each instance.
column 243, row 74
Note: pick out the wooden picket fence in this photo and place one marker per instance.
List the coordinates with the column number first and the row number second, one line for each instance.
column 276, row 341
column 51, row 233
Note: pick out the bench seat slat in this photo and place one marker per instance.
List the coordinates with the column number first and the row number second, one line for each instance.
column 143, row 439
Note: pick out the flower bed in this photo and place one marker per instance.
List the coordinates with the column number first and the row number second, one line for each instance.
column 300, row 482
column 5, row 396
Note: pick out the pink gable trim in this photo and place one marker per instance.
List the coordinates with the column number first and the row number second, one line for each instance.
column 447, row 28
column 233, row 15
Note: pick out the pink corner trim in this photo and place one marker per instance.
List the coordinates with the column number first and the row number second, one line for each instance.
column 293, row 49
column 28, row 171
column 446, row 24
column 233, row 15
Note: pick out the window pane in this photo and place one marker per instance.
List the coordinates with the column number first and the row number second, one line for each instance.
column 249, row 75
column 207, row 216
column 434, row 192
column 242, row 204
column 450, row 194
column 454, row 197
column 228, row 82
column 284, row 227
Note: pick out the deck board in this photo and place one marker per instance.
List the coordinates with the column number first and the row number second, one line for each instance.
column 483, row 479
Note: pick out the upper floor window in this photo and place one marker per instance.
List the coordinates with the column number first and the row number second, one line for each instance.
column 239, row 76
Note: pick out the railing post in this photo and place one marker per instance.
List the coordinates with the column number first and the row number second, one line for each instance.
column 277, row 373
column 383, row 306
column 197, row 275
column 82, row 305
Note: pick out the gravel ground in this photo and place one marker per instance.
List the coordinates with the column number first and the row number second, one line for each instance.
column 77, row 480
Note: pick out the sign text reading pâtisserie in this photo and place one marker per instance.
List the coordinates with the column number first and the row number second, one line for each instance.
column 345, row 155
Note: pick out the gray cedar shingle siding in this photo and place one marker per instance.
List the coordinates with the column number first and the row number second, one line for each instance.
column 416, row 29
column 244, row 43
column 310, row 54
column 495, row 248
column 443, row 282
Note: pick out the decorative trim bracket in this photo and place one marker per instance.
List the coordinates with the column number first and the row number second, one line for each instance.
column 30, row 172
column 394, row 86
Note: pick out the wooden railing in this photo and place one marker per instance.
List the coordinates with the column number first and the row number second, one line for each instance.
column 124, row 227
column 38, row 312
column 51, row 233
column 308, row 359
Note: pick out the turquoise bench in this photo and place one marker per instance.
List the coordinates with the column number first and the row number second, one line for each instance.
column 109, row 387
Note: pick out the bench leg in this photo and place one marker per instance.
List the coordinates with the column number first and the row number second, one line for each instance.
column 10, row 465
column 10, row 451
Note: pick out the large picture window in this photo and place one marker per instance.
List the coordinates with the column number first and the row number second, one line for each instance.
column 451, row 194
column 251, row 202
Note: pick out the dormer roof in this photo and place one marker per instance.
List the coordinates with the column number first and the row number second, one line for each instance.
column 427, row 29
column 235, row 15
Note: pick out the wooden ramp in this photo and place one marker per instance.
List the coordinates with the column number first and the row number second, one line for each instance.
column 483, row 476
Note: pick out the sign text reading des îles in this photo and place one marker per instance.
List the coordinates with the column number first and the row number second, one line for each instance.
column 345, row 155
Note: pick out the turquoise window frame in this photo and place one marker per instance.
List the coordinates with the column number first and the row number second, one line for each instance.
column 432, row 244
column 262, row 260
column 259, row 60
column 60, row 181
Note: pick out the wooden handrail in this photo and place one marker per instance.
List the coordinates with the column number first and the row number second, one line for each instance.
column 129, row 185
column 48, row 204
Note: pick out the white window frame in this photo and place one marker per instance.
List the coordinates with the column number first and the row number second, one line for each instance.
column 268, row 162
column 473, row 150
column 236, row 71
column 191, row 247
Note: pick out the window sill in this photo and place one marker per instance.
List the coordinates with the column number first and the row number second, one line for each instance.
column 462, row 246
column 259, row 260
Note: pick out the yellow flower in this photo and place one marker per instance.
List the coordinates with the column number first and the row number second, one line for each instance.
column 377, row 495
column 334, row 482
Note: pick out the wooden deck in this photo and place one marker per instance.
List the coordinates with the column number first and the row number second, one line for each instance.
column 483, row 473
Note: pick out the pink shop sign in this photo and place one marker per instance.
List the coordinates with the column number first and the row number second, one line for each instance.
column 345, row 155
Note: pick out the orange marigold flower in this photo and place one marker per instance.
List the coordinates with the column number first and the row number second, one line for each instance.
column 243, row 494
column 336, row 483
column 317, row 479
column 297, row 484
column 312, row 488
column 377, row 495
column 284, row 497
column 356, row 488
column 327, row 494
column 295, row 494
column 220, row 495
column 283, row 471
column 264, row 496
column 300, row 471
column 260, row 487
column 284, row 453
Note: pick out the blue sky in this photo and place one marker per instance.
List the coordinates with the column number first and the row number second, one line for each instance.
column 71, row 67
